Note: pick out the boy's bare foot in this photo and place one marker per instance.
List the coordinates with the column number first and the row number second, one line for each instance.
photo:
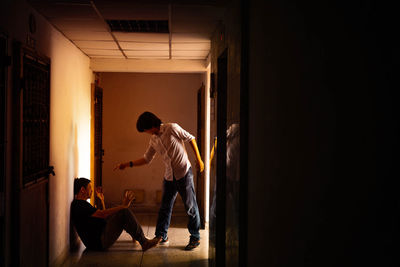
column 135, row 242
column 150, row 243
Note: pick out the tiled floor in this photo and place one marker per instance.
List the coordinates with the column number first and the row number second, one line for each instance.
column 125, row 253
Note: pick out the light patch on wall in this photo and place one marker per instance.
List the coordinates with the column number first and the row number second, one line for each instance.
column 84, row 147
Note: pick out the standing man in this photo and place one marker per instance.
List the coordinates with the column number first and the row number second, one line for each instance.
column 167, row 139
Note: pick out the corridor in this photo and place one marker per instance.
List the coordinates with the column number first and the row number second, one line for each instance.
column 125, row 253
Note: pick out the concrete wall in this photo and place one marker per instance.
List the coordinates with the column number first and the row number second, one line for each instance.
column 323, row 134
column 70, row 116
column 172, row 97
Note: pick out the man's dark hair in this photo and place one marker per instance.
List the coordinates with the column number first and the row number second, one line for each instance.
column 79, row 183
column 146, row 121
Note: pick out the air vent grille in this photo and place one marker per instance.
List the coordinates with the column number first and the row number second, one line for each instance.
column 151, row 26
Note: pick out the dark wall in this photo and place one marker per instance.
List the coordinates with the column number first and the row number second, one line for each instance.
column 226, row 125
column 323, row 134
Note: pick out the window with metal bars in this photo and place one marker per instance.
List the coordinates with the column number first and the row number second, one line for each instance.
column 36, row 119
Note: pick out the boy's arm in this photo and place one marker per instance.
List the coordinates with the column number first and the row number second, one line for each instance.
column 200, row 163
column 128, row 198
column 100, row 195
column 107, row 212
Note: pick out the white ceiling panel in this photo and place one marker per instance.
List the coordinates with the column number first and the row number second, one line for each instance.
column 190, row 37
column 66, row 10
column 129, row 10
column 188, row 57
column 191, row 46
column 148, row 57
column 101, row 52
column 201, row 26
column 142, row 37
column 150, row 54
column 97, row 44
column 195, row 12
column 77, row 35
column 202, row 54
column 104, row 56
column 144, row 46
column 148, row 65
column 81, row 24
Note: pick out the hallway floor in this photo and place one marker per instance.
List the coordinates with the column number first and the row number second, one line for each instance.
column 125, row 253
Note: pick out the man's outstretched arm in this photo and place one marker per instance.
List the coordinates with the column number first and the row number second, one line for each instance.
column 200, row 164
column 123, row 165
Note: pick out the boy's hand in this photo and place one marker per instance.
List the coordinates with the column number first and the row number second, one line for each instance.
column 99, row 193
column 128, row 198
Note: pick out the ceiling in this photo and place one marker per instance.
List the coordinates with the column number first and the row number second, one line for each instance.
column 84, row 22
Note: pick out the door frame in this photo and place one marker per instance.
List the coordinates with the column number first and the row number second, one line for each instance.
column 96, row 159
column 201, row 176
column 222, row 88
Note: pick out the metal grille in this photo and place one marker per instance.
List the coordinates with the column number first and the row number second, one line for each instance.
column 36, row 119
column 98, row 129
column 151, row 26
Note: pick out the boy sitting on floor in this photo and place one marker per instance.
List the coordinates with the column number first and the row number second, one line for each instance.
column 99, row 229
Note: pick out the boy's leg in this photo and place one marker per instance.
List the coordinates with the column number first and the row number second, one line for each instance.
column 112, row 230
column 186, row 190
column 122, row 220
column 164, row 214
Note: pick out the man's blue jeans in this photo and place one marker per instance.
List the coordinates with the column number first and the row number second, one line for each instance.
column 185, row 188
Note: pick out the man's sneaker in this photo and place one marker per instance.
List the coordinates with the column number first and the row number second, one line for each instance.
column 164, row 242
column 193, row 243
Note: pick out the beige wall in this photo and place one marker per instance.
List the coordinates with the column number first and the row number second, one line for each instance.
column 172, row 97
column 69, row 133
column 69, row 118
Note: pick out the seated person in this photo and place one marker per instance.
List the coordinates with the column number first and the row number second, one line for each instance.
column 99, row 229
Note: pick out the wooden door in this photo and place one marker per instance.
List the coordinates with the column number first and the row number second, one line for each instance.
column 31, row 116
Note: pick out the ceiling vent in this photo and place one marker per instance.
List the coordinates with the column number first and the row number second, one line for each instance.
column 151, row 26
